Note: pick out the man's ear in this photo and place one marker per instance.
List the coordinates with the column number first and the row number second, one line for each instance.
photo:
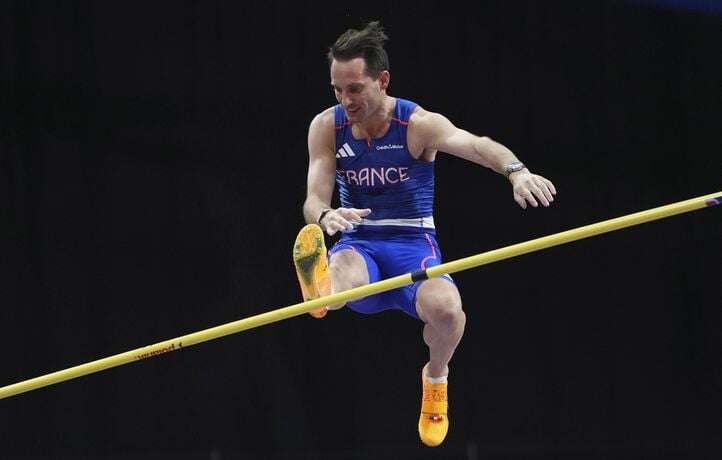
column 384, row 79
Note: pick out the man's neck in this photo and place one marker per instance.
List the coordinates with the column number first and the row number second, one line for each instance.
column 378, row 123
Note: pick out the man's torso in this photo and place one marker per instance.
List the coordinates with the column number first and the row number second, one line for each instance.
column 391, row 174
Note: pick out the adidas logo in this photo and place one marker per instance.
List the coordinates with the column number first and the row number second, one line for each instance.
column 345, row 151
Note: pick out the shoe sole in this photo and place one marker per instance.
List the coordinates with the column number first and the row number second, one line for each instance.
column 309, row 258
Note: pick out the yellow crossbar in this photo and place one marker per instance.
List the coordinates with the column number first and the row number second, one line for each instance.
column 363, row 291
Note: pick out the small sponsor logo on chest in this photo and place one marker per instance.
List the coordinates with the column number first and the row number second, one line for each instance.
column 389, row 147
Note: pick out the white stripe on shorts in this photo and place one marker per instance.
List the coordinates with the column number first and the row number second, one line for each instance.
column 422, row 222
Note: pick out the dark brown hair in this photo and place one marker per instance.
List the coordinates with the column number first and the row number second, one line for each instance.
column 367, row 44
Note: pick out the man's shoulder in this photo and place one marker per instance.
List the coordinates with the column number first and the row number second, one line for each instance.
column 421, row 118
column 418, row 112
column 323, row 126
column 325, row 119
column 425, row 127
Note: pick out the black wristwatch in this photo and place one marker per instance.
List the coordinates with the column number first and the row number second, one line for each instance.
column 513, row 167
column 322, row 215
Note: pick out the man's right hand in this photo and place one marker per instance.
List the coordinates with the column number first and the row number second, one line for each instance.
column 342, row 219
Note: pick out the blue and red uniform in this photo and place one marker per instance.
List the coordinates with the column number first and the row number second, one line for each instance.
column 398, row 236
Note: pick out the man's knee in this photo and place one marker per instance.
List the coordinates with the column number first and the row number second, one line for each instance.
column 348, row 270
column 439, row 302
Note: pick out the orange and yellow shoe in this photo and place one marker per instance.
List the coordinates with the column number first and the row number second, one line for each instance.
column 433, row 421
column 309, row 257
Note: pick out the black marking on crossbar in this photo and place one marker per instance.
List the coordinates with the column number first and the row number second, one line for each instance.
column 419, row 276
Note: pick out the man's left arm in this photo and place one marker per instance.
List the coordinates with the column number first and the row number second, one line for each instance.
column 436, row 132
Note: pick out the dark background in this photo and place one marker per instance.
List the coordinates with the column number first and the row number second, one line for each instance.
column 152, row 170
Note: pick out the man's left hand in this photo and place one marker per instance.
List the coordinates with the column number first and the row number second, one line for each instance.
column 532, row 189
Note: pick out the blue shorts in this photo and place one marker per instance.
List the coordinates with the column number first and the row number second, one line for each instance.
column 389, row 256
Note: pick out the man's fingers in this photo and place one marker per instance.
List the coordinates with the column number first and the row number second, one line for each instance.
column 534, row 190
column 545, row 190
column 335, row 223
column 331, row 229
column 357, row 214
column 551, row 186
column 344, row 224
column 539, row 194
column 353, row 217
column 353, row 214
column 343, row 219
column 530, row 198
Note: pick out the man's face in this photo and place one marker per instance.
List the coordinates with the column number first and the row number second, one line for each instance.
column 359, row 94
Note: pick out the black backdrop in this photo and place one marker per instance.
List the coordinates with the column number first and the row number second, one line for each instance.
column 151, row 177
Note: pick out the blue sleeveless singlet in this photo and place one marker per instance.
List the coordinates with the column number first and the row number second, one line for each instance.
column 385, row 177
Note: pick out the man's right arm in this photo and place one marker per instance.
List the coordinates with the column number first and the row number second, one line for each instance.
column 321, row 177
column 321, row 167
